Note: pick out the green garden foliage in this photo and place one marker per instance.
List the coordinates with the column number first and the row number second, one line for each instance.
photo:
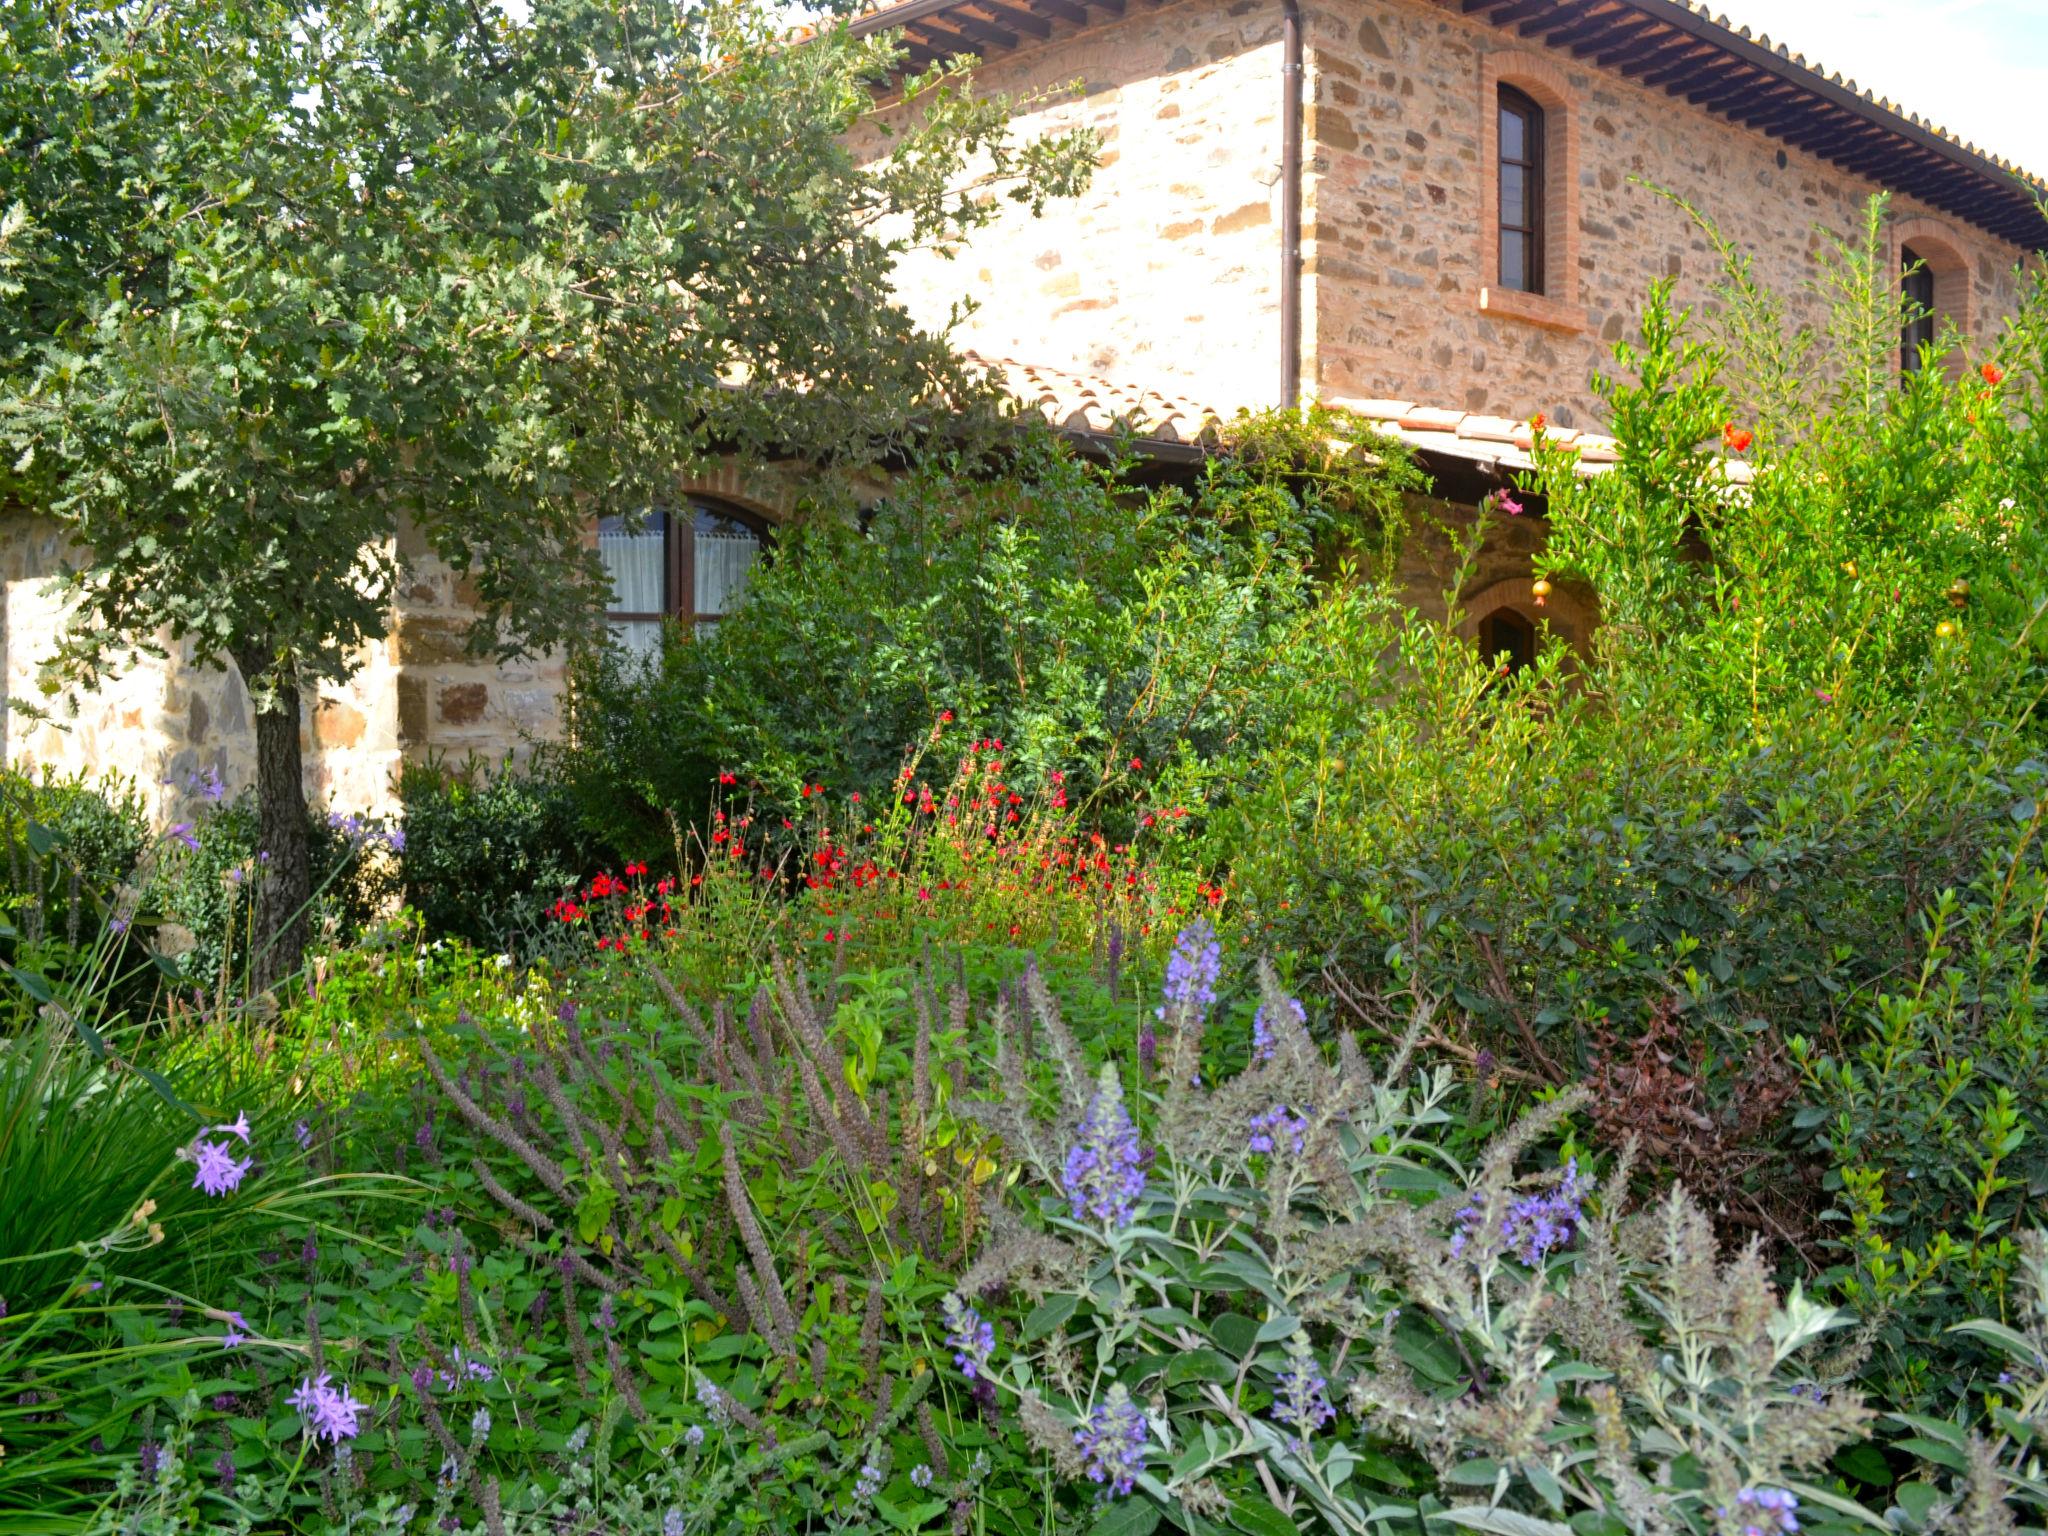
column 300, row 298
column 487, row 852
column 1078, row 1010
column 1129, row 637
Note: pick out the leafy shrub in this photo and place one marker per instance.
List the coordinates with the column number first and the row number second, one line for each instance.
column 486, row 853
column 67, row 844
column 1087, row 621
column 1280, row 1302
column 210, row 875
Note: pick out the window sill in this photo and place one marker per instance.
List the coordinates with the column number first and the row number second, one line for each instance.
column 1533, row 309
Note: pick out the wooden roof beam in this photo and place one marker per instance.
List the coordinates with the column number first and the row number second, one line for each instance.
column 1063, row 10
column 1013, row 18
column 1566, row 31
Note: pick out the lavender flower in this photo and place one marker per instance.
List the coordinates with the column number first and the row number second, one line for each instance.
column 152, row 1460
column 972, row 1338
column 460, row 1369
column 1536, row 1225
column 1105, row 1172
column 480, row 1426
column 868, row 1484
column 1192, row 971
column 672, row 1523
column 1264, row 1042
column 1112, row 1443
column 713, row 1402
column 218, row 1172
column 329, row 1413
column 921, row 1475
column 1303, row 1396
column 693, row 1437
column 1765, row 1511
column 1278, row 1125
column 239, row 1129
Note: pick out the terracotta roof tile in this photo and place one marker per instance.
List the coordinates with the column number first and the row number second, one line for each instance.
column 1079, row 403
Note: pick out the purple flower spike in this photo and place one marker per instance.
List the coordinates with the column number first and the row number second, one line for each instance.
column 972, row 1338
column 1192, row 971
column 1303, row 1395
column 1112, row 1443
column 1105, row 1172
column 1535, row 1225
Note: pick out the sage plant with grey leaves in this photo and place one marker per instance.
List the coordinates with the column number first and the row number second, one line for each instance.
column 1279, row 1300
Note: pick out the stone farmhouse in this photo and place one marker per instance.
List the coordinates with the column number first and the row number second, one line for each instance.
column 1437, row 213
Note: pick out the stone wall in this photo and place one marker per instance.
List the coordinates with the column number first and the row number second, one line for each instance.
column 416, row 697
column 1165, row 272
column 1400, row 244
column 163, row 722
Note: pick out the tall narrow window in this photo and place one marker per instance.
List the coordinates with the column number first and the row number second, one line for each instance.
column 1917, row 287
column 1521, row 192
column 690, row 565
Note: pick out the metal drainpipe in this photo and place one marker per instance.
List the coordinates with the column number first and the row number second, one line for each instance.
column 1290, row 204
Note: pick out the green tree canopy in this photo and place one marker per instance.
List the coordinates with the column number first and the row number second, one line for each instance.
column 281, row 277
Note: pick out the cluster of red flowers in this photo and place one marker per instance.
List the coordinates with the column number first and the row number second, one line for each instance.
column 640, row 913
column 973, row 851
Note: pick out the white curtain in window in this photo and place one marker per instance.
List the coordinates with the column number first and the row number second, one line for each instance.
column 637, row 564
column 723, row 561
column 639, row 638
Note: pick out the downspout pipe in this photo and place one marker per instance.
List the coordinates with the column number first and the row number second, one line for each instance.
column 1290, row 204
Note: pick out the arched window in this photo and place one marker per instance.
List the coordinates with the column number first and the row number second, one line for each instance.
column 689, row 564
column 1521, row 192
column 1508, row 638
column 1917, row 287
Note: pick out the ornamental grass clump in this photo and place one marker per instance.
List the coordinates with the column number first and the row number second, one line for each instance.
column 1284, row 1299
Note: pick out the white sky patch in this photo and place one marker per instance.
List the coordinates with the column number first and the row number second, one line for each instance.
column 1977, row 68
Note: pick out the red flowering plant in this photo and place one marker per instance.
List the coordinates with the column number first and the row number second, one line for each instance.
column 954, row 854
column 963, row 855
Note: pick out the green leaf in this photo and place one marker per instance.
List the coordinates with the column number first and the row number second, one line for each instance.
column 1917, row 1499
column 1866, row 1464
column 1048, row 1315
column 1235, row 1332
column 37, row 988
column 1199, row 1365
column 1502, row 1522
column 1258, row 1517
column 1935, row 1451
column 1126, row 1517
column 2007, row 1339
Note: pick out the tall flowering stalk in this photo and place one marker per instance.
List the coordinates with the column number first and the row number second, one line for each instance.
column 1105, row 1168
column 1112, row 1443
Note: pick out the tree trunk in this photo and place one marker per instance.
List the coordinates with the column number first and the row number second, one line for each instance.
column 284, row 863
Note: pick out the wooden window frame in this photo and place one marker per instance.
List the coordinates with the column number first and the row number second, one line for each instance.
column 1512, row 101
column 1548, row 83
column 679, row 560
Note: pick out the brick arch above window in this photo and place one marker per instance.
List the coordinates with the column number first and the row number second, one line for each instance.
column 1566, row 612
column 1945, row 250
column 770, row 501
column 1546, row 83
